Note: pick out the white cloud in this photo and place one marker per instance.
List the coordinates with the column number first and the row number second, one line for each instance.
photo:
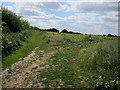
column 90, row 22
column 48, row 5
column 9, row 7
column 93, row 6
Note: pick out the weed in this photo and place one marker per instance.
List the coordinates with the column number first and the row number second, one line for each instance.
column 10, row 71
column 34, row 68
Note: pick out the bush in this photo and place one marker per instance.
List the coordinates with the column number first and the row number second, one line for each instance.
column 64, row 31
column 13, row 22
column 52, row 30
column 110, row 35
column 15, row 31
column 11, row 19
column 12, row 41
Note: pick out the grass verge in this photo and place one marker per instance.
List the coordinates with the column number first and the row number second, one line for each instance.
column 28, row 46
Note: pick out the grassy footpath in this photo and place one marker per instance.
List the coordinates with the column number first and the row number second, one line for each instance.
column 23, row 51
column 79, row 61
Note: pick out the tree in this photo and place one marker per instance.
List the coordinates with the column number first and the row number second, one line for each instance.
column 89, row 36
column 64, row 31
column 53, row 30
column 12, row 21
column 104, row 35
column 25, row 24
column 110, row 35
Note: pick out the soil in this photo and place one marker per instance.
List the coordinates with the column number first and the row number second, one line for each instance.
column 22, row 70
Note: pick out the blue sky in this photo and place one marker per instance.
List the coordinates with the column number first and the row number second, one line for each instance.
column 83, row 17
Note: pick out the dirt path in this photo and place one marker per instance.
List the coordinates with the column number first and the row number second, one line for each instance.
column 21, row 73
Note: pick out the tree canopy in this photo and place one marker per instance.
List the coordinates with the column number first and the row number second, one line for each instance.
column 13, row 22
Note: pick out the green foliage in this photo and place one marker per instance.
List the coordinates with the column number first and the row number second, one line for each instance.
column 5, row 29
column 34, row 68
column 15, row 30
column 11, row 19
column 13, row 22
column 32, row 42
column 10, row 71
column 24, row 24
column 35, row 28
column 12, row 41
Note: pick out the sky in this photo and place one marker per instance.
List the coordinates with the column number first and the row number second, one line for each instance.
column 83, row 17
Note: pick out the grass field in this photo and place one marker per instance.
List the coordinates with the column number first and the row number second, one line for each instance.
column 64, row 61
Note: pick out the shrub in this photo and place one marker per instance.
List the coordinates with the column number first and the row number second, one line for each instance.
column 12, row 41
column 12, row 22
column 64, row 31
column 52, row 30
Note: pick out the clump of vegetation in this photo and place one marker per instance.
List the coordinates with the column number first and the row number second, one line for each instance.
column 34, row 68
column 64, row 31
column 12, row 41
column 12, row 22
column 52, row 30
column 10, row 71
column 15, row 31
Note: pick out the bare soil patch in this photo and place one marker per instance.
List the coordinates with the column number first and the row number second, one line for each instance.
column 23, row 73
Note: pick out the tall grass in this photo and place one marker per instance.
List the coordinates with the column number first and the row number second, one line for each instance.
column 100, row 63
column 94, row 58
